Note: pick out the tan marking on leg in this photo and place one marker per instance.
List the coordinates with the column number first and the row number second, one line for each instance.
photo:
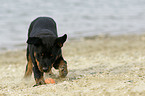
column 38, row 64
column 63, row 69
column 29, row 68
column 34, row 54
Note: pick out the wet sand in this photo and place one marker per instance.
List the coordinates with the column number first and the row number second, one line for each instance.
column 101, row 65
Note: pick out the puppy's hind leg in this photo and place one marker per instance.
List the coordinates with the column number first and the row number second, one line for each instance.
column 29, row 66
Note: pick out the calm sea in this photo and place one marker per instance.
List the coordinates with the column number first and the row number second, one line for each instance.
column 77, row 18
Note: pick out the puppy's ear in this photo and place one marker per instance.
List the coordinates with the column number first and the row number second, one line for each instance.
column 34, row 41
column 60, row 40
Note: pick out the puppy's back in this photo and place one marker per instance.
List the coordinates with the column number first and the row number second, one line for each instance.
column 41, row 23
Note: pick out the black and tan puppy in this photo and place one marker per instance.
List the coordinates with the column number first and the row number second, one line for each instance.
column 44, row 49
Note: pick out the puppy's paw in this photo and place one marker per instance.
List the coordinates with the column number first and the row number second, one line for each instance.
column 63, row 69
column 39, row 82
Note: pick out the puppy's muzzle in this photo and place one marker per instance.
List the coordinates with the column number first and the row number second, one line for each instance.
column 45, row 69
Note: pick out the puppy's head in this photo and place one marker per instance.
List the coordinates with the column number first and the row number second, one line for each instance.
column 46, row 49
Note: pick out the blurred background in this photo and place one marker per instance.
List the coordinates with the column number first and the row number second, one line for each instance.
column 77, row 18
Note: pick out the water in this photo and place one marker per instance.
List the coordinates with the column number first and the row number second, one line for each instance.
column 77, row 18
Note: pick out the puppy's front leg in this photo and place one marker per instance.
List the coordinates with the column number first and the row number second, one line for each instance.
column 63, row 68
column 38, row 77
column 61, row 65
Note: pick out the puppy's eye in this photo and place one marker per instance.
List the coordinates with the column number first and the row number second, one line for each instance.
column 42, row 54
column 51, row 55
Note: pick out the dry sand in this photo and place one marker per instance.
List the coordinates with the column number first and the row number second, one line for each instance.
column 102, row 65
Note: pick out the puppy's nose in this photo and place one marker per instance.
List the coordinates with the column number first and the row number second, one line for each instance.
column 45, row 69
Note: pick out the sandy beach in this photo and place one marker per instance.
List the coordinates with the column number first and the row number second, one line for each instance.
column 98, row 66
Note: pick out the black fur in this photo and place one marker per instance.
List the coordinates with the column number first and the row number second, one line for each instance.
column 44, row 47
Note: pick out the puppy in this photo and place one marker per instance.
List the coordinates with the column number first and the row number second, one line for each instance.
column 44, row 49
